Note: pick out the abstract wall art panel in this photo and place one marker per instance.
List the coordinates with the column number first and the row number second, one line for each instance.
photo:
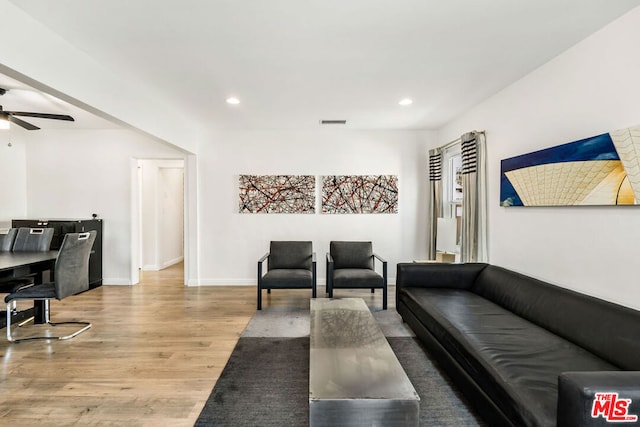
column 366, row 194
column 601, row 170
column 277, row 194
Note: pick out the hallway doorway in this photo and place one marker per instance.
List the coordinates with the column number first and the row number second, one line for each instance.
column 160, row 215
column 172, row 274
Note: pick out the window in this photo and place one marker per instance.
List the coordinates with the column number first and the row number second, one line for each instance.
column 452, row 199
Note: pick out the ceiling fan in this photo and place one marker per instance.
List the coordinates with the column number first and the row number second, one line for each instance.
column 10, row 116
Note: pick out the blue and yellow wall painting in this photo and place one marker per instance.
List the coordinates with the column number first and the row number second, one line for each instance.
column 601, row 170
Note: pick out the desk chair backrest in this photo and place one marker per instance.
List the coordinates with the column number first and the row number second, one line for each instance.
column 72, row 264
column 7, row 237
column 290, row 255
column 33, row 239
column 352, row 254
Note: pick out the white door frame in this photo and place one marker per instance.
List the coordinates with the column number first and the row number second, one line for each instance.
column 190, row 219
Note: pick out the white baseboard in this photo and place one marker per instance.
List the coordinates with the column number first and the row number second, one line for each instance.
column 252, row 282
column 226, row 282
column 172, row 262
column 116, row 281
column 156, row 267
column 217, row 282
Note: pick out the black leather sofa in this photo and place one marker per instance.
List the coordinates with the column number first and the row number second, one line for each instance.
column 524, row 352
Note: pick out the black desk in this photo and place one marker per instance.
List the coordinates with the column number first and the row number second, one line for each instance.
column 17, row 264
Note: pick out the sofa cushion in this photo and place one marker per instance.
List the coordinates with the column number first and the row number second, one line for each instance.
column 574, row 316
column 513, row 360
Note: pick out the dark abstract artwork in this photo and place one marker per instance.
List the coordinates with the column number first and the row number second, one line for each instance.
column 368, row 194
column 277, row 194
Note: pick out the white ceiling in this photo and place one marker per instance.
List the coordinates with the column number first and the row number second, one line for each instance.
column 22, row 97
column 294, row 62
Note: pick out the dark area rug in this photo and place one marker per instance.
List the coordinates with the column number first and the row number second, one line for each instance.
column 441, row 404
column 266, row 383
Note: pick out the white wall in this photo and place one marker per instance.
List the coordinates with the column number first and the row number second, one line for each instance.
column 231, row 243
column 97, row 166
column 162, row 212
column 13, row 178
column 72, row 174
column 171, row 221
column 591, row 89
column 76, row 77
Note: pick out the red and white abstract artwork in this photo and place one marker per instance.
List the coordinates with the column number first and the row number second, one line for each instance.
column 362, row 194
column 277, row 194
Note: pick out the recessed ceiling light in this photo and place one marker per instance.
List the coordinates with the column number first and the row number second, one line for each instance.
column 406, row 101
column 233, row 100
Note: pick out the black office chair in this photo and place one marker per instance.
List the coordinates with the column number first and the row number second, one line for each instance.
column 71, row 277
column 7, row 237
column 33, row 239
column 351, row 265
column 290, row 265
column 25, row 240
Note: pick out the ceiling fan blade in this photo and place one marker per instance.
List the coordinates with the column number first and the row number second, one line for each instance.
column 22, row 123
column 41, row 115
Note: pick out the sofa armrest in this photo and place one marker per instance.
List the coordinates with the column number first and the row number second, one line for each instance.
column 589, row 399
column 437, row 275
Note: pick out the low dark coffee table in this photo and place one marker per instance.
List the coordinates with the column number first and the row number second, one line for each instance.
column 355, row 378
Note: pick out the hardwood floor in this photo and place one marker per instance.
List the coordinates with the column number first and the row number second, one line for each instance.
column 151, row 358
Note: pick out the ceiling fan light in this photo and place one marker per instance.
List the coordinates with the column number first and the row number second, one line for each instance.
column 4, row 124
column 405, row 102
column 233, row 100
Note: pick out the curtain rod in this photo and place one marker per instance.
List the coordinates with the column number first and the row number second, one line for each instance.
column 456, row 141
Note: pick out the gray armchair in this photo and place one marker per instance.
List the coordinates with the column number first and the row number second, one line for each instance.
column 290, row 265
column 351, row 265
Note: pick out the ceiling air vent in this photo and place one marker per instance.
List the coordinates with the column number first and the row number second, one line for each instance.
column 333, row 122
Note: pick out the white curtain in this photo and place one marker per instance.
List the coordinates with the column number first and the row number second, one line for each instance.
column 434, row 201
column 473, row 246
column 473, row 242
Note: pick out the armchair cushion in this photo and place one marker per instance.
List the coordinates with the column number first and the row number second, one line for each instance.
column 356, row 278
column 290, row 254
column 287, row 278
column 351, row 255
